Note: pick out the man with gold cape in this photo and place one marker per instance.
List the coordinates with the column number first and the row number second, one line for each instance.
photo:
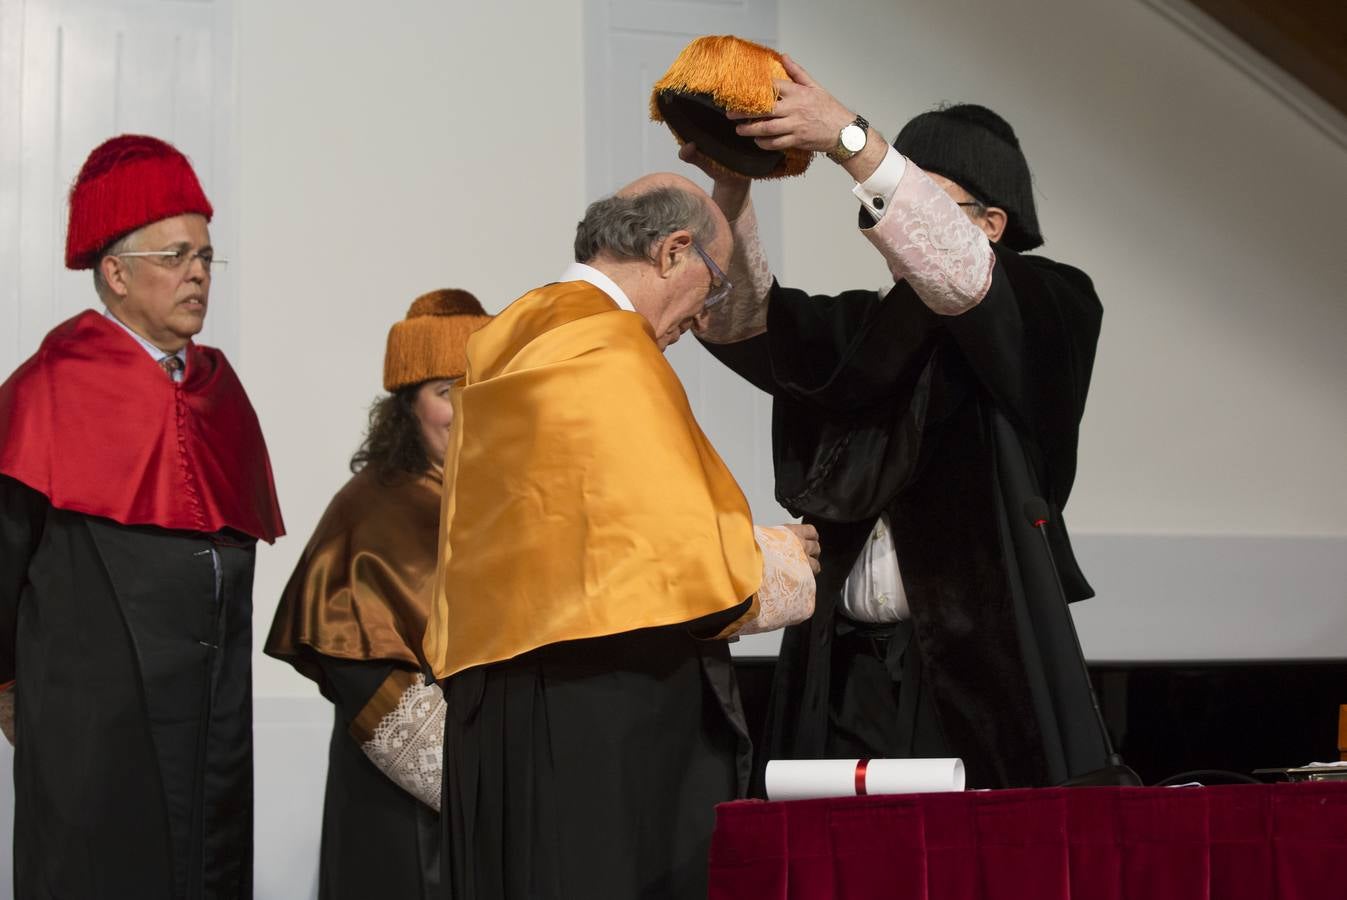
column 596, row 555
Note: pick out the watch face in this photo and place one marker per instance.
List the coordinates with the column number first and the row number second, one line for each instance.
column 853, row 138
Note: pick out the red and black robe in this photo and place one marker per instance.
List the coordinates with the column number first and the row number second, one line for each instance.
column 130, row 506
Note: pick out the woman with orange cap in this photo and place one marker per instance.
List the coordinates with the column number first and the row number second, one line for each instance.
column 352, row 617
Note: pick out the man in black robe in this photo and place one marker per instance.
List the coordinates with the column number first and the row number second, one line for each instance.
column 929, row 431
column 134, row 484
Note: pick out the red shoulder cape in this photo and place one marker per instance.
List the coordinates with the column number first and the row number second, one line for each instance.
column 94, row 424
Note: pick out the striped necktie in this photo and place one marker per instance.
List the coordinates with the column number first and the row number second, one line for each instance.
column 171, row 366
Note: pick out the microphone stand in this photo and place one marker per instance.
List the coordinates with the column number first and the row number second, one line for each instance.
column 1116, row 772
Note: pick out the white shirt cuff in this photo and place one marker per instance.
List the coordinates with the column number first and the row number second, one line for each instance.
column 876, row 192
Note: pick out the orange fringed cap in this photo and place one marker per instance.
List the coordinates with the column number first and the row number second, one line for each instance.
column 432, row 341
column 720, row 73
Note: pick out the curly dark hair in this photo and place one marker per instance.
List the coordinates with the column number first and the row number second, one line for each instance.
column 393, row 445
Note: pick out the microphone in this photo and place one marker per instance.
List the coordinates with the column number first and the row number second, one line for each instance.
column 1039, row 514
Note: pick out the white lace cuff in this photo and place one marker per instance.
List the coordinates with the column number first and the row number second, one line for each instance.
column 928, row 240
column 743, row 314
column 408, row 743
column 786, row 596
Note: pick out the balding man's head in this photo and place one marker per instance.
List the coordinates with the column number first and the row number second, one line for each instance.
column 632, row 222
column 658, row 180
column 655, row 238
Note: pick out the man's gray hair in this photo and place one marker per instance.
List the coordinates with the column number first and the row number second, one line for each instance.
column 629, row 226
column 123, row 244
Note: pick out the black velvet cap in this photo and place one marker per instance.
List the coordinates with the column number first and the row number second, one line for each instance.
column 697, row 117
column 976, row 148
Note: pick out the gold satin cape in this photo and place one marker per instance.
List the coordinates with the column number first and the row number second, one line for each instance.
column 361, row 590
column 581, row 497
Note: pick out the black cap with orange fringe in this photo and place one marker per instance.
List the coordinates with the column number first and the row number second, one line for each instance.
column 720, row 73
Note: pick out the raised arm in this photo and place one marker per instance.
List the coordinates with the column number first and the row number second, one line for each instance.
column 918, row 226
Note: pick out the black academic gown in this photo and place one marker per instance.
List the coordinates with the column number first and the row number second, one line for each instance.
column 592, row 768
column 948, row 424
column 378, row 840
column 133, row 761
column 351, row 618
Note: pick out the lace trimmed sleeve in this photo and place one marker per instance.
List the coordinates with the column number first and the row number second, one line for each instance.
column 401, row 730
column 928, row 240
column 743, row 314
column 786, row 596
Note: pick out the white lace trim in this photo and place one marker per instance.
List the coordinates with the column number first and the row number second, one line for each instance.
column 408, row 743
column 743, row 314
column 927, row 239
column 786, row 596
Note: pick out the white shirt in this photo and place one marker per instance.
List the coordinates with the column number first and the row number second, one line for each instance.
column 155, row 353
column 876, row 192
column 582, row 272
column 873, row 591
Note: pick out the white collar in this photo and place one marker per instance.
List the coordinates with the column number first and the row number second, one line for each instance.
column 582, row 272
column 155, row 353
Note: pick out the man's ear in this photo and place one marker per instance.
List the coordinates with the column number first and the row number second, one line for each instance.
column 993, row 223
column 115, row 272
column 672, row 249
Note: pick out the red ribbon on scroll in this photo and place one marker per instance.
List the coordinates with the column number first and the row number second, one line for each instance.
column 860, row 776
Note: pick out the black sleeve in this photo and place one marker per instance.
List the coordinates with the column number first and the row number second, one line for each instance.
column 751, row 360
column 842, row 352
column 1031, row 344
column 23, row 512
column 351, row 684
column 708, row 626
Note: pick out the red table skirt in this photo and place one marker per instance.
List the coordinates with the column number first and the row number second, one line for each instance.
column 1243, row 842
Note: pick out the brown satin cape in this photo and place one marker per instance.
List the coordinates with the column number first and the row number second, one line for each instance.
column 582, row 498
column 361, row 589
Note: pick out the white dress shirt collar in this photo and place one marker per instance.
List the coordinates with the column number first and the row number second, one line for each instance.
column 155, row 353
column 582, row 272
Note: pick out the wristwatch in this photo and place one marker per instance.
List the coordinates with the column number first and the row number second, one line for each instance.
column 850, row 140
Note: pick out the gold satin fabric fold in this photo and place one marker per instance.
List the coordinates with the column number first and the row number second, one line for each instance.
column 581, row 497
column 362, row 588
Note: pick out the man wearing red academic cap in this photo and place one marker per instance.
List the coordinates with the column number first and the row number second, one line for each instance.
column 134, row 485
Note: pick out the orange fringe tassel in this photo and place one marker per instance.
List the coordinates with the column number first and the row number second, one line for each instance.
column 737, row 73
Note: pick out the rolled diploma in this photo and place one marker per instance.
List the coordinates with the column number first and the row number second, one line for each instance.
column 805, row 779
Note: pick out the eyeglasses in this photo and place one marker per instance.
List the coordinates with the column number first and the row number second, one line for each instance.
column 720, row 284
column 977, row 205
column 180, row 256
